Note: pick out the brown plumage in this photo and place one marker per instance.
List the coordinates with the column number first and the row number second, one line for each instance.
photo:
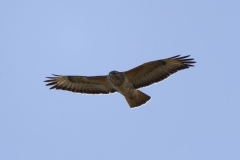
column 125, row 83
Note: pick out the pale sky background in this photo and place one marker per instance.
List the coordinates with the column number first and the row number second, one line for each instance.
column 193, row 115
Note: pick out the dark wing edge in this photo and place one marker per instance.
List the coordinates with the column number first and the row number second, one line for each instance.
column 81, row 84
column 187, row 62
column 156, row 71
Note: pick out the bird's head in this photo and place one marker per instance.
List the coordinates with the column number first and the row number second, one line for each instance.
column 116, row 77
column 114, row 74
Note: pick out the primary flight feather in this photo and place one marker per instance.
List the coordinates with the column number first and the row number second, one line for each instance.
column 126, row 83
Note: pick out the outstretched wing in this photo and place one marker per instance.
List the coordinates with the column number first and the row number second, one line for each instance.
column 156, row 71
column 81, row 84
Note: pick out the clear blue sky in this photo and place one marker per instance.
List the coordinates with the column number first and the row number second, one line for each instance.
column 193, row 115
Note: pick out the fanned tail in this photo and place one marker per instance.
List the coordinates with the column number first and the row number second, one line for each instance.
column 138, row 100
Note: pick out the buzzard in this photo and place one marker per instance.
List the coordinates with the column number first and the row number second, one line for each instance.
column 127, row 83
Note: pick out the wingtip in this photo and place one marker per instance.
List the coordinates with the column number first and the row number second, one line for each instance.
column 184, row 57
column 53, row 87
column 56, row 75
column 189, row 62
column 176, row 56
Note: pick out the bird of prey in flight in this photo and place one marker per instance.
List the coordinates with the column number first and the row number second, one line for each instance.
column 126, row 83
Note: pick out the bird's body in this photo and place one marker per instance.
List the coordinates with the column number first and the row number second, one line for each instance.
column 122, row 85
column 126, row 83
